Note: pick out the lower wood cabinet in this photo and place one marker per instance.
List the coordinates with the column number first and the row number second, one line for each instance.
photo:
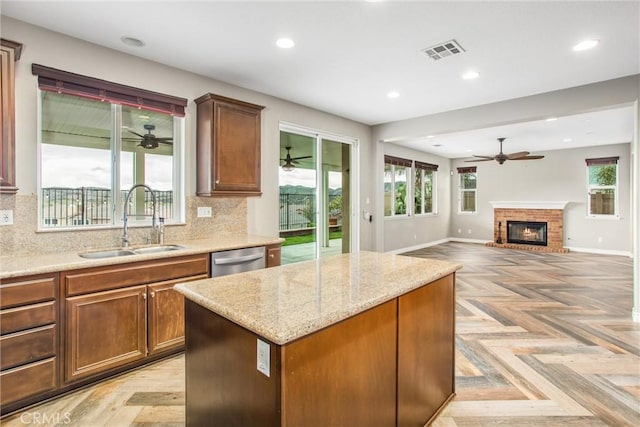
column 120, row 316
column 29, row 340
column 392, row 364
column 165, row 316
column 105, row 330
column 274, row 255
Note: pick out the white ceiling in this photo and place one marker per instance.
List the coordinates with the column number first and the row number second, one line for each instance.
column 350, row 54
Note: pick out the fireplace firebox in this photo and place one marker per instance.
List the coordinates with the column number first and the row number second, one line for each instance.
column 527, row 232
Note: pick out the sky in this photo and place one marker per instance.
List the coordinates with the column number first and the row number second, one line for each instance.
column 307, row 178
column 74, row 167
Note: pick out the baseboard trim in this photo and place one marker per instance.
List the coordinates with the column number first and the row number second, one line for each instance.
column 416, row 247
column 600, row 251
column 463, row 240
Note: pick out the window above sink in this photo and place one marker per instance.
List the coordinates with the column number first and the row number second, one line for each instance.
column 97, row 140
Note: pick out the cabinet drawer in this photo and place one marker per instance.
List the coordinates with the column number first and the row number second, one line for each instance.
column 28, row 346
column 28, row 380
column 21, row 292
column 30, row 316
column 101, row 279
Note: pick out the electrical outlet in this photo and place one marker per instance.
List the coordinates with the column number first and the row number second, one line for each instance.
column 263, row 357
column 204, row 211
column 6, row 217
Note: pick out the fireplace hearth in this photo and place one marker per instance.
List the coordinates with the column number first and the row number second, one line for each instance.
column 527, row 232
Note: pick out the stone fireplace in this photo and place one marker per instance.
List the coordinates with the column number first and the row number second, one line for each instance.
column 529, row 225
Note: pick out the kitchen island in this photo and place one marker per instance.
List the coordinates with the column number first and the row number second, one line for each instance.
column 350, row 340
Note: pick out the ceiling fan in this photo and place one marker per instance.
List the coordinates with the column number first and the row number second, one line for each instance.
column 151, row 141
column 501, row 157
column 290, row 162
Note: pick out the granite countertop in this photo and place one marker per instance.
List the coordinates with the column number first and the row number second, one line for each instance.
column 14, row 266
column 285, row 303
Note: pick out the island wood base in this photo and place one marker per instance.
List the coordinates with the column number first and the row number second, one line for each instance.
column 390, row 365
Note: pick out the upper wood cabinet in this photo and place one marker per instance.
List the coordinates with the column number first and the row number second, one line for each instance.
column 228, row 147
column 10, row 54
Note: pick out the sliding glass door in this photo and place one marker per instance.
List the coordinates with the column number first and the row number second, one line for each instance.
column 316, row 194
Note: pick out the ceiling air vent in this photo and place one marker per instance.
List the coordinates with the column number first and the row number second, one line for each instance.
column 443, row 50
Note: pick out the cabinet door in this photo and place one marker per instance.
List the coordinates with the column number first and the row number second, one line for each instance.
column 9, row 53
column 105, row 330
column 227, row 147
column 236, row 148
column 273, row 255
column 166, row 315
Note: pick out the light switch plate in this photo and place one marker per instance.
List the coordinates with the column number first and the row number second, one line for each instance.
column 6, row 217
column 204, row 211
column 263, row 357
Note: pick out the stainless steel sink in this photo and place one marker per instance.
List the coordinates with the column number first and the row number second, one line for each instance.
column 112, row 253
column 156, row 249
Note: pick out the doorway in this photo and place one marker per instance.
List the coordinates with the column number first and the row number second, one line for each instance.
column 316, row 185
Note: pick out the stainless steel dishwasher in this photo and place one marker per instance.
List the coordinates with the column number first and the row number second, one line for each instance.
column 237, row 261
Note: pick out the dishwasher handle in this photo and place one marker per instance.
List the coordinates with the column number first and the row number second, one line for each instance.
column 237, row 259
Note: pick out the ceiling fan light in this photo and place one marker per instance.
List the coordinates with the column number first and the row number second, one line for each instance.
column 288, row 167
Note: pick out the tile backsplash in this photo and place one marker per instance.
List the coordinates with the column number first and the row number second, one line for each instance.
column 21, row 238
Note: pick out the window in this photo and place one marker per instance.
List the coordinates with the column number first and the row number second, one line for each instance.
column 95, row 145
column 602, row 186
column 425, row 188
column 467, row 200
column 396, row 171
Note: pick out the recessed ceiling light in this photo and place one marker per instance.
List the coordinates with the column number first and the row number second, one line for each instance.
column 567, row 140
column 285, row 43
column 470, row 75
column 437, row 145
column 551, row 119
column 431, row 136
column 393, row 94
column 586, row 45
column 132, row 41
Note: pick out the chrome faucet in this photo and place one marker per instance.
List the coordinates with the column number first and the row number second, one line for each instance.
column 125, row 219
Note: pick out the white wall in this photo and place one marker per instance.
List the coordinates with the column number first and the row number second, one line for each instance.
column 560, row 176
column 66, row 53
column 408, row 231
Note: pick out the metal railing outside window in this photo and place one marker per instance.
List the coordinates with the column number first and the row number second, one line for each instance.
column 297, row 211
column 63, row 207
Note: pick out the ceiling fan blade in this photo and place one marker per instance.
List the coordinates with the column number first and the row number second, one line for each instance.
column 164, row 138
column 135, row 133
column 514, row 156
column 164, row 142
column 486, row 159
column 303, row 157
column 528, row 158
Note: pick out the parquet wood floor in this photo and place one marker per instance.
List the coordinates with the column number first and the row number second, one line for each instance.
column 542, row 339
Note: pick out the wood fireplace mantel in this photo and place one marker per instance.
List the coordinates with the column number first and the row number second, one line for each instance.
column 529, row 205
